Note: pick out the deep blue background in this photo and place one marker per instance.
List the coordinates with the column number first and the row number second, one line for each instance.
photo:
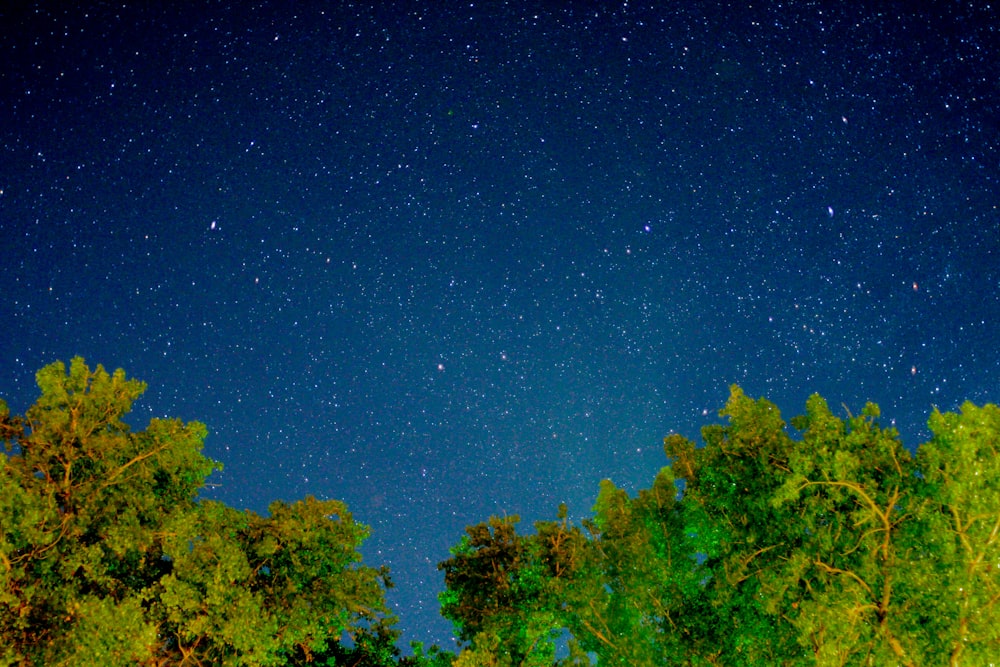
column 444, row 261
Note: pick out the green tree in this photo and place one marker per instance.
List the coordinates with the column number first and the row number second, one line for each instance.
column 635, row 601
column 107, row 557
column 496, row 595
column 739, row 536
column 954, row 549
column 850, row 486
column 834, row 548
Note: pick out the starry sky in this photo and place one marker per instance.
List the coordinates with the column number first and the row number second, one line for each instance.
column 448, row 260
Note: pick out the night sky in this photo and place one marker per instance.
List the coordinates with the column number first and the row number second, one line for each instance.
column 448, row 261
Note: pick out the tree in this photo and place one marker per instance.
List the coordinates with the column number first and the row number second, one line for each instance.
column 955, row 546
column 831, row 547
column 108, row 557
column 737, row 534
column 496, row 596
column 837, row 547
column 850, row 486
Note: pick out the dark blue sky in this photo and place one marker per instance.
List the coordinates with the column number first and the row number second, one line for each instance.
column 447, row 261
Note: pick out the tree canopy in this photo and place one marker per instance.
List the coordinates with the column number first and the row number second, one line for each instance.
column 107, row 557
column 836, row 547
column 822, row 541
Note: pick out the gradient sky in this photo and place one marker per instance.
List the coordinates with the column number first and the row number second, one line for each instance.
column 443, row 261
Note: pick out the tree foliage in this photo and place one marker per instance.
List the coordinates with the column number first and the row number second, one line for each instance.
column 823, row 541
column 835, row 547
column 107, row 557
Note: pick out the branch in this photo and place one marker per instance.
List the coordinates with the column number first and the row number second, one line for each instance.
column 836, row 570
column 597, row 633
column 137, row 459
column 883, row 516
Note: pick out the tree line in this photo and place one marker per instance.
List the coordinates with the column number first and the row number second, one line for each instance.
column 819, row 542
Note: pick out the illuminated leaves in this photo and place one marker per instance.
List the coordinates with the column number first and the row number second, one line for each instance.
column 959, row 544
column 107, row 557
column 836, row 547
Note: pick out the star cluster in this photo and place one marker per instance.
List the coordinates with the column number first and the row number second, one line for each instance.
column 443, row 261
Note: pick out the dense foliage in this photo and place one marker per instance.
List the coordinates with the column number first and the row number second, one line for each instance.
column 837, row 548
column 108, row 558
column 820, row 543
